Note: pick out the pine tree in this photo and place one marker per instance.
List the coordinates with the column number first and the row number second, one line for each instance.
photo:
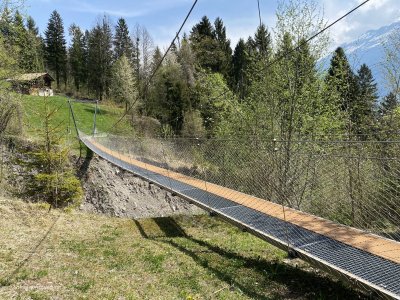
column 100, row 57
column 55, row 47
column 202, row 30
column 388, row 104
column 123, row 44
column 77, row 59
column 262, row 42
column 210, row 50
column 363, row 113
column 31, row 26
column 344, row 82
column 225, row 49
column 239, row 62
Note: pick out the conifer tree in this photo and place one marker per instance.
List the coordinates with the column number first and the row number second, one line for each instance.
column 389, row 103
column 123, row 44
column 363, row 113
column 343, row 81
column 187, row 60
column 225, row 49
column 157, row 56
column 77, row 59
column 211, row 47
column 262, row 42
column 239, row 64
column 100, row 57
column 202, row 30
column 6, row 26
column 31, row 26
column 55, row 47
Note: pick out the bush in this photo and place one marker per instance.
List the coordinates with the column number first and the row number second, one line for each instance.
column 51, row 178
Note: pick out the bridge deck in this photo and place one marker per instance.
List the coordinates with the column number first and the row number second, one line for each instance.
column 369, row 260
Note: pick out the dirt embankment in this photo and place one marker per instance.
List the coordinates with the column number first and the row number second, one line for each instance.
column 108, row 189
column 115, row 192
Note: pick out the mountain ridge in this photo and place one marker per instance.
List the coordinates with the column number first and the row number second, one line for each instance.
column 369, row 49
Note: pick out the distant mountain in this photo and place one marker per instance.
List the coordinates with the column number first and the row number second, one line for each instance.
column 368, row 49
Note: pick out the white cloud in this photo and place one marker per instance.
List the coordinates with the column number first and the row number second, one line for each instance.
column 372, row 15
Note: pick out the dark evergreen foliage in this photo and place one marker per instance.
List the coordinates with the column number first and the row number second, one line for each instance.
column 77, row 56
column 123, row 44
column 100, row 58
column 389, row 103
column 55, row 49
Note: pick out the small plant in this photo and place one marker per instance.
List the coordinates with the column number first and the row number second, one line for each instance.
column 51, row 176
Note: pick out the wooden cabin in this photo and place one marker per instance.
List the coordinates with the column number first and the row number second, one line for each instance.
column 38, row 84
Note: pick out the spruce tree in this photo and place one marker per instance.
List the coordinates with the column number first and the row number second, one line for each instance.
column 239, row 62
column 202, row 30
column 6, row 26
column 55, row 47
column 211, row 47
column 363, row 113
column 225, row 49
column 31, row 26
column 77, row 59
column 157, row 56
column 262, row 42
column 100, row 58
column 389, row 103
column 123, row 44
column 187, row 59
column 342, row 79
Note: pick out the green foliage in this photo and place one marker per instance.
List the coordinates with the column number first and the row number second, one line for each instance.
column 212, row 99
column 123, row 45
column 77, row 56
column 50, row 176
column 124, row 84
column 169, row 97
column 240, row 61
column 55, row 47
column 100, row 58
column 54, row 181
column 9, row 105
column 364, row 110
column 211, row 46
column 193, row 125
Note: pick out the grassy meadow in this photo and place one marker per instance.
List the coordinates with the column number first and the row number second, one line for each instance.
column 107, row 115
column 72, row 255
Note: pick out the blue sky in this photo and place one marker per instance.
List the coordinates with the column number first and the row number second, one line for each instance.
column 162, row 18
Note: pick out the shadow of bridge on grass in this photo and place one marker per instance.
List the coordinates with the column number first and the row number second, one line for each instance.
column 255, row 277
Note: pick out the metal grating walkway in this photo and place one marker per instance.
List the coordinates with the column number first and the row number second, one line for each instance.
column 348, row 262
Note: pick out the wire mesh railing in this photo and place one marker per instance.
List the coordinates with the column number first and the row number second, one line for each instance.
column 354, row 183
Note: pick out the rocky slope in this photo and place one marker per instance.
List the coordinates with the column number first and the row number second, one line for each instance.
column 115, row 192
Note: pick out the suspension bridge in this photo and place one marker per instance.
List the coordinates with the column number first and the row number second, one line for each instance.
column 365, row 254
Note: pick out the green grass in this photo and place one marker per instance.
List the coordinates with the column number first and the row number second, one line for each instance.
column 87, row 256
column 107, row 116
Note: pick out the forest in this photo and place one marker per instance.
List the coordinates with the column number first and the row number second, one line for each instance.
column 265, row 86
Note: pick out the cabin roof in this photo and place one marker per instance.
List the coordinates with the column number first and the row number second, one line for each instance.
column 32, row 76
